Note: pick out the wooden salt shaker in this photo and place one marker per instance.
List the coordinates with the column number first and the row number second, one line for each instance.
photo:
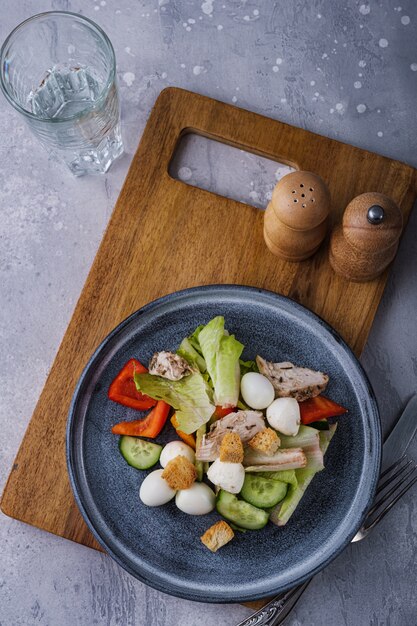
column 295, row 221
column 367, row 241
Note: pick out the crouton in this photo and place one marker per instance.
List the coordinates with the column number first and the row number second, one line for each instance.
column 217, row 536
column 231, row 448
column 179, row 473
column 266, row 441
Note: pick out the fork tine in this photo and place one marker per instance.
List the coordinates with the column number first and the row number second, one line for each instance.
column 389, row 480
column 391, row 504
column 391, row 467
column 385, row 497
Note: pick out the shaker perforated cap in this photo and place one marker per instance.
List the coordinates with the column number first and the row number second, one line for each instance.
column 301, row 200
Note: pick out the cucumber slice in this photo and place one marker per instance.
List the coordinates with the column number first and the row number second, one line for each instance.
column 263, row 492
column 139, row 453
column 238, row 528
column 239, row 512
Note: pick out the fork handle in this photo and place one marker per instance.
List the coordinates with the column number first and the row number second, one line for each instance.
column 274, row 613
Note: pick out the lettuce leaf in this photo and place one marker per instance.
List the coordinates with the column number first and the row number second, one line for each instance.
column 221, row 352
column 308, row 439
column 190, row 354
column 191, row 397
column 248, row 366
column 284, row 476
column 284, row 509
column 194, row 338
column 190, row 350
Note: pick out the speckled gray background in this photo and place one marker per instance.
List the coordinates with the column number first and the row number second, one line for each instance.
column 345, row 71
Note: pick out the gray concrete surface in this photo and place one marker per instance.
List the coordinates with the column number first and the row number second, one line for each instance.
column 343, row 69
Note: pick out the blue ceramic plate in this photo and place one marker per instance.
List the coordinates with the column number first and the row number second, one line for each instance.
column 161, row 546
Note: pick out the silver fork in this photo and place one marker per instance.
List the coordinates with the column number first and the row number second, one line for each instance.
column 392, row 485
column 405, row 471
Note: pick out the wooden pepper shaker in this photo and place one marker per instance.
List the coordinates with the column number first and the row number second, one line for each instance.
column 295, row 221
column 367, row 241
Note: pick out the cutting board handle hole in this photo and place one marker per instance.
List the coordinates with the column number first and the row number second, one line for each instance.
column 226, row 170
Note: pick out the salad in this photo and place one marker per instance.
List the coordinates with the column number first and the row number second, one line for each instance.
column 251, row 435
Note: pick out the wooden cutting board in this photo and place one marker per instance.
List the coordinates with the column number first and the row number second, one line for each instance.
column 165, row 235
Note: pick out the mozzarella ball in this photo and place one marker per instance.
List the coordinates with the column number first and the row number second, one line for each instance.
column 155, row 490
column 284, row 415
column 176, row 448
column 257, row 391
column 227, row 476
column 199, row 499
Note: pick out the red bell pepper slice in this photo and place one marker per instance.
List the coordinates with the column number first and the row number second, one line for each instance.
column 150, row 426
column 123, row 389
column 319, row 408
column 221, row 412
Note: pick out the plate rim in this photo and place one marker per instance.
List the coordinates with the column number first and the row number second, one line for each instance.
column 182, row 591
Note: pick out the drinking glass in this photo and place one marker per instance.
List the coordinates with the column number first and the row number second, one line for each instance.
column 58, row 70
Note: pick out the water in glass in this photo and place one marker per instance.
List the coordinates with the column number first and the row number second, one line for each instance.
column 58, row 70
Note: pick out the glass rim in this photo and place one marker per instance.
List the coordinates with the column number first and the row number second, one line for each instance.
column 104, row 90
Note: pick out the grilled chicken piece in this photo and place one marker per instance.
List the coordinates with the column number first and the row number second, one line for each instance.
column 169, row 365
column 245, row 423
column 288, row 380
column 284, row 459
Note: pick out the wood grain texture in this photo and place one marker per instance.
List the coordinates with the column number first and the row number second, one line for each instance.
column 165, row 235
